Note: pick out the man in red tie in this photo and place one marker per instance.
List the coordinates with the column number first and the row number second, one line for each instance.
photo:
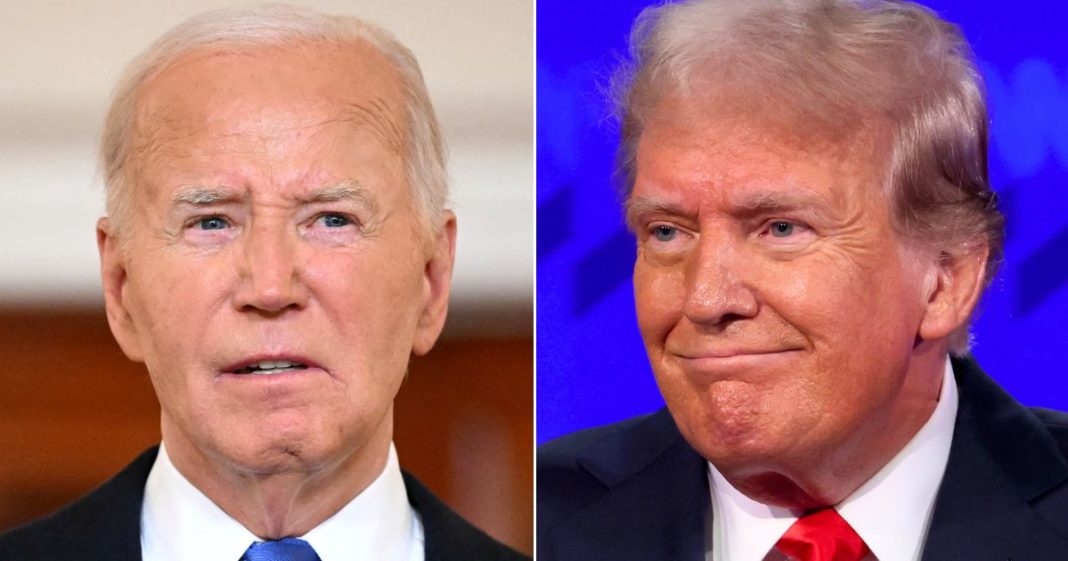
column 807, row 184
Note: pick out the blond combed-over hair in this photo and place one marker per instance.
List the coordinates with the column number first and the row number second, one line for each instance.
column 834, row 68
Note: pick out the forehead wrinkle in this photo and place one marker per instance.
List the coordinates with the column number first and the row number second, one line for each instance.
column 772, row 201
column 150, row 136
column 377, row 117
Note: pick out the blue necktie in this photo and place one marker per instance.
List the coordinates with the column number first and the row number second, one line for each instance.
column 285, row 549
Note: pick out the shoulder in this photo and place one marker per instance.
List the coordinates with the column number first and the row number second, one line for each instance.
column 633, row 442
column 105, row 524
column 1006, row 479
column 450, row 537
column 570, row 463
column 1008, row 427
column 631, row 489
column 1056, row 423
column 565, row 450
column 576, row 469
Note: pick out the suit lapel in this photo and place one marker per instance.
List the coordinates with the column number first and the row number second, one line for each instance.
column 112, row 514
column 1004, row 481
column 105, row 525
column 654, row 503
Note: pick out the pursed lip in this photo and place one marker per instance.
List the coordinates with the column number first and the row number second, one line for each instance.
column 722, row 364
column 731, row 353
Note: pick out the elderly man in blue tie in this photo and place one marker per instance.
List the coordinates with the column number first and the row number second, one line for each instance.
column 276, row 248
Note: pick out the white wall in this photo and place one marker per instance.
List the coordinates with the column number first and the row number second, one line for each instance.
column 58, row 62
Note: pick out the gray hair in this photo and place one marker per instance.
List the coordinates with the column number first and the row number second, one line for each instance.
column 833, row 68
column 268, row 26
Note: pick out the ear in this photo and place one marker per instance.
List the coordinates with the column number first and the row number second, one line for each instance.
column 437, row 281
column 113, row 277
column 953, row 293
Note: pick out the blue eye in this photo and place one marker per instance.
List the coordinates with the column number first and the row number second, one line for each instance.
column 335, row 221
column 212, row 223
column 781, row 229
column 664, row 233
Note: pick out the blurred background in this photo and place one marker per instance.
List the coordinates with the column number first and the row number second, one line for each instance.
column 595, row 371
column 73, row 410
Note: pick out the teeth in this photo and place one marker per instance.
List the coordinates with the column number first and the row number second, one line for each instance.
column 273, row 370
column 272, row 364
column 271, row 367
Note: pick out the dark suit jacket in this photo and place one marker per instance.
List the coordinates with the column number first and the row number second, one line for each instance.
column 106, row 526
column 637, row 491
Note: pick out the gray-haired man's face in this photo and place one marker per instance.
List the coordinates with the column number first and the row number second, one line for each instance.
column 273, row 281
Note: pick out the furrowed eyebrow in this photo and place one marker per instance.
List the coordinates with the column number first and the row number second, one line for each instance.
column 636, row 207
column 775, row 202
column 347, row 190
column 200, row 196
column 746, row 205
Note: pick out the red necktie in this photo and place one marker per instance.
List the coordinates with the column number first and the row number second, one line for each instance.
column 822, row 535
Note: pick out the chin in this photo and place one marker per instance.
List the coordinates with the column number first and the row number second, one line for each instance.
column 729, row 439
column 732, row 449
column 265, row 454
column 272, row 447
column 747, row 459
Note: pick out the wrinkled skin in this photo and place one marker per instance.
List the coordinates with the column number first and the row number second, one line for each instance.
column 797, row 337
column 271, row 219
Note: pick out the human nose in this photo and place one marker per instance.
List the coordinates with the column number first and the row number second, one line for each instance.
column 271, row 280
column 718, row 291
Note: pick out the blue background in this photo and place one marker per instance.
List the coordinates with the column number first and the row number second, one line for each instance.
column 591, row 365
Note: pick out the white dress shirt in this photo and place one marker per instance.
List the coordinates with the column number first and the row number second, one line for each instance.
column 891, row 511
column 178, row 522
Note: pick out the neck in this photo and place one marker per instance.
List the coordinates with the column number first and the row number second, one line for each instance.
column 277, row 503
column 821, row 478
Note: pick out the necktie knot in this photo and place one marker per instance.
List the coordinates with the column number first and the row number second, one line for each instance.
column 822, row 535
column 285, row 549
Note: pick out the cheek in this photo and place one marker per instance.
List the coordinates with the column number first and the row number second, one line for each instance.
column 373, row 294
column 857, row 316
column 171, row 298
column 168, row 310
column 832, row 298
column 659, row 297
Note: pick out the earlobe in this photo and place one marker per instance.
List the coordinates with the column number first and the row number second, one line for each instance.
column 953, row 292
column 113, row 278
column 437, row 282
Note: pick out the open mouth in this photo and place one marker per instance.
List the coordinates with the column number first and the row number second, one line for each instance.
column 268, row 367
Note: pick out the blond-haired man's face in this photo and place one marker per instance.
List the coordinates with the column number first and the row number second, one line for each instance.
column 779, row 307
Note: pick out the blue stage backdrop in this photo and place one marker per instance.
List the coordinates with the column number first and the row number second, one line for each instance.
column 591, row 366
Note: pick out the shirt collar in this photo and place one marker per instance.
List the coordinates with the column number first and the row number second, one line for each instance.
column 891, row 511
column 179, row 522
column 377, row 524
